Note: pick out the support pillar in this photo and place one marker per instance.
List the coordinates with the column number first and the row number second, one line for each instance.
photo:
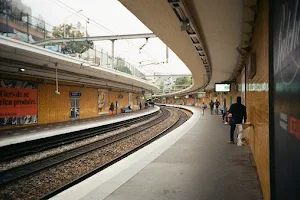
column 112, row 53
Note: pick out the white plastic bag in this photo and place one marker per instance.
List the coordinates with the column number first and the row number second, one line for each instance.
column 239, row 139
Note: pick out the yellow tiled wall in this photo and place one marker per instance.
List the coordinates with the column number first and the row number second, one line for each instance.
column 234, row 92
column 170, row 100
column 56, row 108
column 123, row 102
column 136, row 101
column 257, row 99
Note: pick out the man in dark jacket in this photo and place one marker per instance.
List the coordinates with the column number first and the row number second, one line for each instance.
column 211, row 104
column 217, row 106
column 238, row 111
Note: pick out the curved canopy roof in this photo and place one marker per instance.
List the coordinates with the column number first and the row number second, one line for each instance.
column 219, row 25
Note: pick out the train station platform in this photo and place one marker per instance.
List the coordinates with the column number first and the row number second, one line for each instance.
column 192, row 162
column 23, row 134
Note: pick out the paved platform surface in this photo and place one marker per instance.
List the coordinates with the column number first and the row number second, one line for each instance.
column 192, row 162
column 17, row 135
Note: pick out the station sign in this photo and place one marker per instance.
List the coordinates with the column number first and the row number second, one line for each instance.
column 75, row 94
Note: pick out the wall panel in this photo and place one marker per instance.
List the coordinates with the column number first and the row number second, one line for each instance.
column 56, row 108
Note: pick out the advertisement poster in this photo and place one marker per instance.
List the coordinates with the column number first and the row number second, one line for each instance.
column 170, row 100
column 103, row 105
column 191, row 101
column 286, row 68
column 18, row 102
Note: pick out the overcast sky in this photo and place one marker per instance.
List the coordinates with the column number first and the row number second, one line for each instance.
column 114, row 16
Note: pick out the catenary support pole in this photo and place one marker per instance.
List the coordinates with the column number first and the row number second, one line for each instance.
column 112, row 53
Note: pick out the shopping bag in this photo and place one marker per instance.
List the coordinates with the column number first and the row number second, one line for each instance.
column 239, row 139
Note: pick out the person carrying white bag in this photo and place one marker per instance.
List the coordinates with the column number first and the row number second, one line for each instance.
column 238, row 111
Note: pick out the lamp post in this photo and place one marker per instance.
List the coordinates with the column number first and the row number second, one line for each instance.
column 66, row 21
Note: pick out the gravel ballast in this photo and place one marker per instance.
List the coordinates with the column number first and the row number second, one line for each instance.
column 54, row 151
column 45, row 181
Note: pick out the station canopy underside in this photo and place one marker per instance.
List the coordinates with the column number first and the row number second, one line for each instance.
column 41, row 63
column 204, row 34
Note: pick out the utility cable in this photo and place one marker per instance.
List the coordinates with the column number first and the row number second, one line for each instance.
column 84, row 17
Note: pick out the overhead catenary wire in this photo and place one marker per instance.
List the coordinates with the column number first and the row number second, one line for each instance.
column 84, row 17
column 80, row 15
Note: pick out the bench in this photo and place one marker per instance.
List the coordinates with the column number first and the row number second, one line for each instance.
column 126, row 110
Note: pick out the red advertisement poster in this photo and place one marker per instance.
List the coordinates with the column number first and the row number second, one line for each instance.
column 18, row 102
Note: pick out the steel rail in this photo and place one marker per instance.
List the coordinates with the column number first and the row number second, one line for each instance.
column 100, row 168
column 26, row 148
column 19, row 172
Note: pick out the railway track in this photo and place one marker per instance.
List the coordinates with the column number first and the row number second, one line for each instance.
column 16, row 173
column 12, row 175
column 182, row 118
column 26, row 148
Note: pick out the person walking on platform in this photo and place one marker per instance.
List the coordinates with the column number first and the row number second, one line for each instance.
column 217, row 106
column 112, row 108
column 211, row 104
column 140, row 105
column 203, row 107
column 238, row 112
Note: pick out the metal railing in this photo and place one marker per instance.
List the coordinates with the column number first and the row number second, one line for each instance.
column 173, row 88
column 24, row 27
column 27, row 28
column 30, row 29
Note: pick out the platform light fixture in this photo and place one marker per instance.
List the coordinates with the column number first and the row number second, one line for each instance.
column 21, row 70
column 185, row 25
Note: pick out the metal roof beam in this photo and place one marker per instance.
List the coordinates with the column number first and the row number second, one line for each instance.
column 95, row 38
column 167, row 75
